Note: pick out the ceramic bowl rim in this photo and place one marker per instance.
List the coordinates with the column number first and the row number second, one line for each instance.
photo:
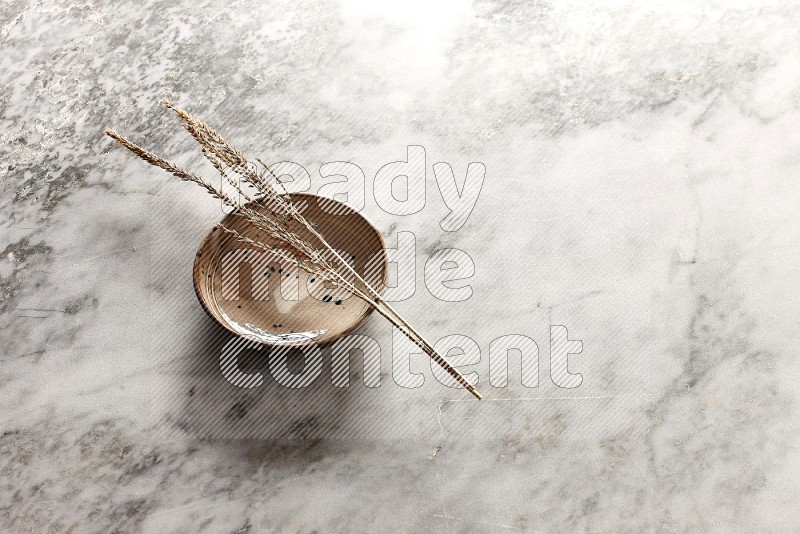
column 309, row 341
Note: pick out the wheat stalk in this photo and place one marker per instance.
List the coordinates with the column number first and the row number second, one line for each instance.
column 281, row 215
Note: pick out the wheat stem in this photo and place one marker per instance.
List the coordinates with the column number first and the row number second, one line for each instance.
column 277, row 224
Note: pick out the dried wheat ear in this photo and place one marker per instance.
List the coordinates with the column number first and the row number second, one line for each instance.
column 250, row 183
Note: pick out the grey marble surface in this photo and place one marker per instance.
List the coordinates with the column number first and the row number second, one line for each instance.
column 641, row 189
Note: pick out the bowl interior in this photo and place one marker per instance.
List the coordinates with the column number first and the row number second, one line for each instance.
column 259, row 295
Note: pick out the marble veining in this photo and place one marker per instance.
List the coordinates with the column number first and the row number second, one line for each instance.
column 641, row 189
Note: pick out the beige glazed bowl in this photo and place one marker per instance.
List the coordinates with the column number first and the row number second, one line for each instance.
column 259, row 296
